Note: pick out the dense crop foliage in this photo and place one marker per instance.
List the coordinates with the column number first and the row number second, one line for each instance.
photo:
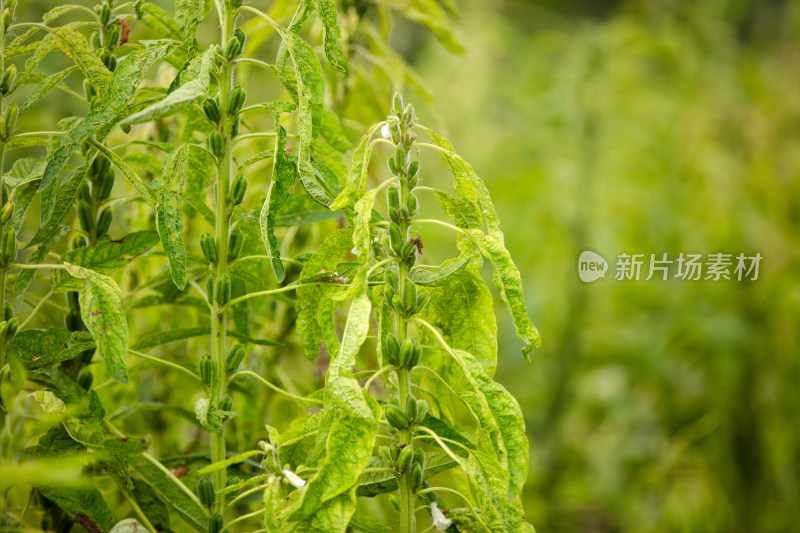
column 234, row 268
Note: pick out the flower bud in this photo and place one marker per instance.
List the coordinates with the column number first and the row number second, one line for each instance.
column 413, row 168
column 239, row 32
column 234, row 359
column 8, row 79
column 397, row 104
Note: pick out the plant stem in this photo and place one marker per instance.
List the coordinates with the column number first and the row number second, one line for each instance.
column 222, row 230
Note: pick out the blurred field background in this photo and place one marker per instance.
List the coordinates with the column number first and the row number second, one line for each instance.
column 643, row 127
column 639, row 127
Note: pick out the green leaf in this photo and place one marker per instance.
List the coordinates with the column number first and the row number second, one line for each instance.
column 44, row 86
column 331, row 35
column 430, row 276
column 104, row 256
column 101, row 310
column 195, row 86
column 39, row 348
column 352, row 437
column 431, row 15
column 85, row 506
column 122, row 87
column 191, row 14
column 236, row 459
column 64, row 202
column 169, row 218
column 174, row 335
column 74, row 44
column 284, row 174
column 356, row 185
column 136, row 182
column 508, row 281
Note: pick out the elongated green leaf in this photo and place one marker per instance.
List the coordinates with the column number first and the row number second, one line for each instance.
column 236, row 459
column 85, row 506
column 104, row 256
column 169, row 219
column 44, row 86
column 136, row 182
column 37, row 348
column 63, row 203
column 101, row 311
column 356, row 185
column 507, row 279
column 430, row 14
column 284, row 174
column 191, row 14
column 195, row 86
column 174, row 335
column 428, row 276
column 158, row 19
column 331, row 35
column 44, row 47
column 76, row 46
column 314, row 307
column 124, row 82
column 352, row 436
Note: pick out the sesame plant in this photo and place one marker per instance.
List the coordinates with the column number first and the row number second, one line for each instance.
column 221, row 259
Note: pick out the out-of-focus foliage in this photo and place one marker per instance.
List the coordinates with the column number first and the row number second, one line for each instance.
column 644, row 127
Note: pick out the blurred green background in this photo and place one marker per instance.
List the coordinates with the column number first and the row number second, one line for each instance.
column 643, row 127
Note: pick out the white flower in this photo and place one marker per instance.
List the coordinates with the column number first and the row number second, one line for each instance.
column 386, row 131
column 440, row 522
column 294, row 479
column 354, row 251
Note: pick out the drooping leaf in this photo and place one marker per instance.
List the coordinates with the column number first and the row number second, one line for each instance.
column 85, row 506
column 101, row 311
column 428, row 276
column 64, row 201
column 169, row 218
column 75, row 45
column 136, row 182
column 37, row 348
column 195, row 86
column 174, row 335
column 331, row 35
column 357, row 179
column 191, row 14
column 45, row 86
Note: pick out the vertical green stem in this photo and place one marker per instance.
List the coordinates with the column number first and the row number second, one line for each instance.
column 222, row 230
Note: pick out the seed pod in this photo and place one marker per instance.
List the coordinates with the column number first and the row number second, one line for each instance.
column 410, row 260
column 85, row 193
column 216, row 143
column 416, row 355
column 411, row 407
column 8, row 78
column 94, row 40
column 223, row 289
column 126, row 128
column 6, row 18
column 410, row 294
column 419, row 457
column 416, row 476
column 3, row 130
column 394, row 215
column 238, row 189
column 103, row 222
column 235, row 243
column 104, row 185
column 12, row 112
column 390, row 278
column 404, row 461
column 205, row 491
column 404, row 213
column 111, row 63
column 394, row 452
column 211, row 109
column 392, row 166
column 232, row 49
column 392, row 348
column 422, row 410
column 234, row 358
column 400, row 158
column 85, row 216
column 393, row 197
column 11, row 329
column 105, row 13
column 422, row 301
column 215, row 522
column 396, row 239
column 388, row 294
column 407, row 250
column 406, row 350
column 9, row 244
column 113, row 35
column 239, row 32
column 236, row 99
column 209, row 247
column 411, row 204
column 3, row 328
column 397, row 303
column 408, row 113
column 8, row 311
column 85, row 380
column 206, row 369
column 72, row 320
column 383, row 452
column 395, row 416
column 210, row 289
column 6, row 212
column 377, row 250
column 78, row 241
column 226, row 404
column 235, row 127
column 413, row 168
column 412, row 181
